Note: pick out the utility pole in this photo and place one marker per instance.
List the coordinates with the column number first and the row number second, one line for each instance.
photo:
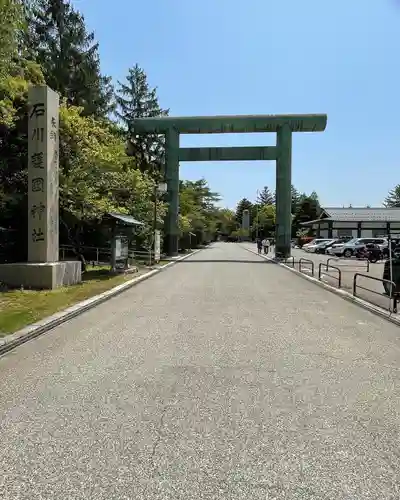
column 159, row 189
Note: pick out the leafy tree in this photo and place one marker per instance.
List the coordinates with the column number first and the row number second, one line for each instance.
column 96, row 173
column 136, row 99
column 392, row 200
column 244, row 204
column 11, row 24
column 58, row 40
column 198, row 212
column 309, row 209
column 265, row 197
column 226, row 221
column 264, row 221
column 96, row 176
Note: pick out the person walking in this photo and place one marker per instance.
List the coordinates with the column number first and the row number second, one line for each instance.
column 265, row 244
column 259, row 245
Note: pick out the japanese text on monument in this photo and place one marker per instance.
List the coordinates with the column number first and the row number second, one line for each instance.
column 43, row 175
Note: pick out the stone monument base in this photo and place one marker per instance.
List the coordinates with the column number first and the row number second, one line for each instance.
column 38, row 275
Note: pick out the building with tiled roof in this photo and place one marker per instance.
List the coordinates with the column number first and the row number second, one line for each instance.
column 356, row 222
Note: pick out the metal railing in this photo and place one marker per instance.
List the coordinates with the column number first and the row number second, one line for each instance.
column 392, row 296
column 307, row 262
column 326, row 270
column 103, row 255
column 349, row 265
column 95, row 254
column 286, row 261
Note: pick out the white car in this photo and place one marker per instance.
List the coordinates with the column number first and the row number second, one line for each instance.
column 310, row 247
column 335, row 249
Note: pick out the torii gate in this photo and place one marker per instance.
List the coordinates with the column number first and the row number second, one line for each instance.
column 283, row 125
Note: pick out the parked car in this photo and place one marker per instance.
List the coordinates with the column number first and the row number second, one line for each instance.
column 323, row 247
column 305, row 240
column 353, row 246
column 335, row 249
column 315, row 241
column 311, row 247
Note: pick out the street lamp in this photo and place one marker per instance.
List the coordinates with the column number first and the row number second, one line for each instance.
column 160, row 188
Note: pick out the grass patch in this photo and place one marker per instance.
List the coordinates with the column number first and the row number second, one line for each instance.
column 19, row 308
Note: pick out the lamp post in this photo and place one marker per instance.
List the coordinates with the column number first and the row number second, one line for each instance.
column 160, row 188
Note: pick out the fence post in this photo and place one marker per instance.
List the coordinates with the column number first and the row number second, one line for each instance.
column 355, row 285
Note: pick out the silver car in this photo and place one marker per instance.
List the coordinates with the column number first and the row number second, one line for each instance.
column 350, row 248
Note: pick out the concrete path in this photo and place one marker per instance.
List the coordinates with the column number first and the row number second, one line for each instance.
column 371, row 291
column 368, row 289
column 225, row 377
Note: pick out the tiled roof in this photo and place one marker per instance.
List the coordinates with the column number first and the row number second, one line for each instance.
column 125, row 219
column 363, row 214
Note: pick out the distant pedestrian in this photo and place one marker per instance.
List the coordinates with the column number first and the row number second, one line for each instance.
column 259, row 245
column 265, row 244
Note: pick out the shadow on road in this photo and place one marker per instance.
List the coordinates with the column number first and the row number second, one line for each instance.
column 228, row 261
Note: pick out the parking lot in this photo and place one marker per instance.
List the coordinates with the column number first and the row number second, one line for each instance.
column 348, row 268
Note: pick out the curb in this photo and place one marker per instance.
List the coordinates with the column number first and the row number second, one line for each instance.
column 30, row 332
column 337, row 291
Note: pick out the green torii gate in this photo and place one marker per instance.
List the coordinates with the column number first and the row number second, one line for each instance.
column 283, row 125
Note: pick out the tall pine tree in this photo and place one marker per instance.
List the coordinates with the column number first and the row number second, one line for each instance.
column 265, row 197
column 392, row 200
column 136, row 99
column 58, row 40
column 296, row 200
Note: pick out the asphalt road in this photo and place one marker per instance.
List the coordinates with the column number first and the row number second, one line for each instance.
column 225, row 377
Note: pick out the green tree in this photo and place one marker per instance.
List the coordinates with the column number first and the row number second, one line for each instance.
column 226, row 221
column 11, row 24
column 58, row 40
column 96, row 176
column 392, row 200
column 264, row 221
column 265, row 197
column 296, row 199
column 308, row 210
column 198, row 212
column 96, row 173
column 136, row 99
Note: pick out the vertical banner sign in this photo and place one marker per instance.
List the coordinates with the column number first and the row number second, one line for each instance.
column 157, row 245
column 43, row 175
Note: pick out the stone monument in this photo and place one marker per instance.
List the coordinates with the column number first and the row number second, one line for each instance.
column 246, row 224
column 43, row 269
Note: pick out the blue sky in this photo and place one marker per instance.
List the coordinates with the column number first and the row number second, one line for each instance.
column 340, row 57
